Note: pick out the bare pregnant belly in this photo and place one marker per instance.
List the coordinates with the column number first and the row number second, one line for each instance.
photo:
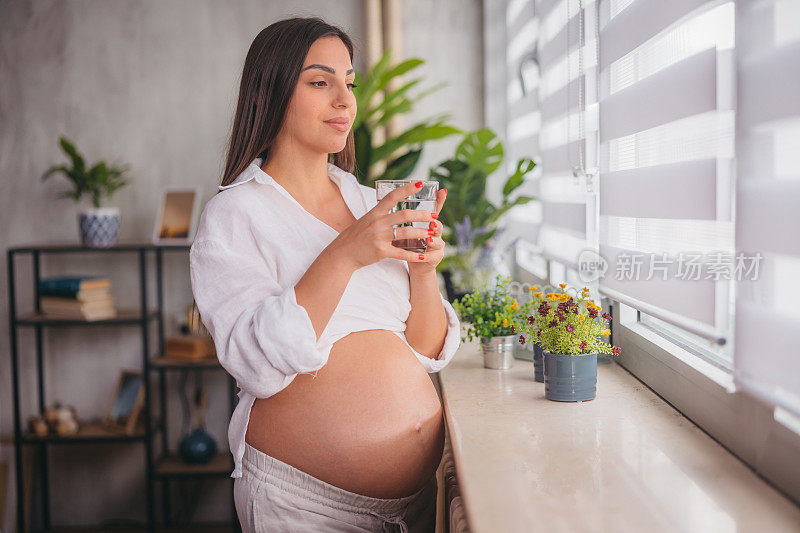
column 370, row 422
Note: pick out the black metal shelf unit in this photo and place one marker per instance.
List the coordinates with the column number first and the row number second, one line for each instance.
column 164, row 468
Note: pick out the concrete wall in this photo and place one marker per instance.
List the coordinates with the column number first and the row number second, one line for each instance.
column 149, row 83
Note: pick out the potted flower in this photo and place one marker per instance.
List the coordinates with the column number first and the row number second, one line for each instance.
column 99, row 226
column 571, row 333
column 491, row 317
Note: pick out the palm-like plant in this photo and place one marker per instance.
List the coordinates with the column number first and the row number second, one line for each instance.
column 97, row 181
column 467, row 212
column 403, row 151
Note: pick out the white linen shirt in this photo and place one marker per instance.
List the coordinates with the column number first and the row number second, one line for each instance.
column 254, row 242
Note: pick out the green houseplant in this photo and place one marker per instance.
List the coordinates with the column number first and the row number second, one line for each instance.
column 473, row 218
column 571, row 333
column 490, row 315
column 99, row 226
column 401, row 153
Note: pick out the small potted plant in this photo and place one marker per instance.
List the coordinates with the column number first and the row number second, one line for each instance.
column 490, row 315
column 99, row 226
column 571, row 334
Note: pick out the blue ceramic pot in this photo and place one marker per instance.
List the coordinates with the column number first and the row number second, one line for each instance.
column 538, row 363
column 198, row 447
column 570, row 378
column 99, row 227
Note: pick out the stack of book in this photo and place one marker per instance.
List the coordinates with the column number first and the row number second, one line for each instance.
column 77, row 297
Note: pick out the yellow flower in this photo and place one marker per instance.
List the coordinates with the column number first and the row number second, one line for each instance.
column 538, row 294
column 562, row 285
column 586, row 289
column 513, row 307
column 582, row 318
column 505, row 323
column 534, row 287
column 606, row 332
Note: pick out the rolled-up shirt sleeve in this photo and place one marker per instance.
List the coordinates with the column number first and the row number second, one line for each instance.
column 261, row 334
column 452, row 341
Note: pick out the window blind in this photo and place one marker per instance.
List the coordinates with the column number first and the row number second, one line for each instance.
column 512, row 110
column 567, row 44
column 767, row 331
column 666, row 140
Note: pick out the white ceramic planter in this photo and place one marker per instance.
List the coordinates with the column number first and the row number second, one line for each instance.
column 99, row 227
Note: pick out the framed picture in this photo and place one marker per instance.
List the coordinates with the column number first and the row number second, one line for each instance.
column 176, row 216
column 126, row 404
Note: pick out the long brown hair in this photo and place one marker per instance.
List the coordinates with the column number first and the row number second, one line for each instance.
column 270, row 73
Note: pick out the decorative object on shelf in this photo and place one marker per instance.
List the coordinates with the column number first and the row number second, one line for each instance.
column 571, row 334
column 193, row 320
column 473, row 218
column 126, row 404
column 177, row 216
column 197, row 446
column 490, row 314
column 57, row 420
column 189, row 347
column 99, row 226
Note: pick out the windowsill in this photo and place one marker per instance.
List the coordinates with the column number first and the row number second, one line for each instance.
column 625, row 461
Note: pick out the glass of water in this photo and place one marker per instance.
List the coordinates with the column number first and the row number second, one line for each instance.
column 424, row 199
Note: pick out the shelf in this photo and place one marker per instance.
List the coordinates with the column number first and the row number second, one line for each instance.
column 174, row 466
column 76, row 247
column 175, row 363
column 124, row 316
column 191, row 528
column 88, row 432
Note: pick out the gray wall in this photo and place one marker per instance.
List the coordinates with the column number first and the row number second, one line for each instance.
column 151, row 84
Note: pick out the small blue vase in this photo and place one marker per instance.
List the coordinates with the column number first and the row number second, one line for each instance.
column 197, row 447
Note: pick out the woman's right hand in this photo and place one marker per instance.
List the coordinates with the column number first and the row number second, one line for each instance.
column 369, row 239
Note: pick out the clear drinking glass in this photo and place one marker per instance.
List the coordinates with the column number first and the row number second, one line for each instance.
column 424, row 199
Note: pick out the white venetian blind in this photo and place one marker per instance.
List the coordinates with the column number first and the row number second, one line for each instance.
column 666, row 127
column 512, row 110
column 567, row 47
column 767, row 339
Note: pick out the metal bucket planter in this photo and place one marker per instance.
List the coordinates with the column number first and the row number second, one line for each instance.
column 498, row 352
column 570, row 378
column 538, row 363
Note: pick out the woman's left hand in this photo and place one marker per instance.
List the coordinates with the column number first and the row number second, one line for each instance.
column 435, row 252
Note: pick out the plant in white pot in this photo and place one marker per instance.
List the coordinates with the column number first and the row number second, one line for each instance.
column 99, row 226
column 571, row 334
column 490, row 317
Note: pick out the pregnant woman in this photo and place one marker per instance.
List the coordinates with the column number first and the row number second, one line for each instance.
column 329, row 329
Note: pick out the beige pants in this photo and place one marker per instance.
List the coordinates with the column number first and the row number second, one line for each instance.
column 272, row 496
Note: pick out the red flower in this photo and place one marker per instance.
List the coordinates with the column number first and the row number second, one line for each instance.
column 512, row 329
column 553, row 323
column 522, row 339
column 593, row 312
column 569, row 327
column 544, row 308
column 584, row 347
column 616, row 350
column 606, row 316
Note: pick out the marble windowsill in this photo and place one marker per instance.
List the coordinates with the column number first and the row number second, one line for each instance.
column 625, row 461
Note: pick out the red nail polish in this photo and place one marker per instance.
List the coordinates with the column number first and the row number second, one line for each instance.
column 418, row 184
column 445, row 191
column 435, row 215
column 430, row 240
column 421, row 257
column 430, row 231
